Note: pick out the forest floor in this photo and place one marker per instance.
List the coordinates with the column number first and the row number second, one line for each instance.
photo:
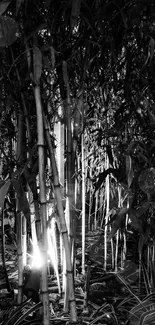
column 101, row 297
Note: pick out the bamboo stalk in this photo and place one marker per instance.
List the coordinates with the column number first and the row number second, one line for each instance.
column 112, row 254
column 24, row 240
column 2, row 248
column 96, row 208
column 20, row 257
column 118, row 231
column 107, row 193
column 43, row 208
column 116, row 250
column 69, row 163
column 19, row 155
column 83, row 203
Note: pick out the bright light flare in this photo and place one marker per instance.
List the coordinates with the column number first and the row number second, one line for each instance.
column 36, row 261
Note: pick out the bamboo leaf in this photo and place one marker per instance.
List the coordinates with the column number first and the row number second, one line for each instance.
column 148, row 315
column 1, row 183
column 3, row 6
column 8, row 31
column 76, row 4
column 129, row 170
column 119, row 217
column 142, row 240
column 151, row 117
column 151, row 48
column 142, row 209
column 146, row 180
column 136, row 223
column 3, row 191
column 27, row 313
column 18, row 5
column 37, row 64
column 150, row 53
column 146, row 278
column 22, row 199
column 52, row 56
column 65, row 74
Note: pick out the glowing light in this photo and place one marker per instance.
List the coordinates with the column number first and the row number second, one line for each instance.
column 36, row 257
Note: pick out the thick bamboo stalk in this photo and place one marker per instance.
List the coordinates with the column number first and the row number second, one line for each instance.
column 57, row 192
column 19, row 155
column 2, row 248
column 118, row 231
column 53, row 252
column 112, row 254
column 59, row 132
column 96, row 209
column 69, row 163
column 20, row 257
column 43, row 208
column 24, row 240
column 107, row 193
column 116, row 250
column 124, row 250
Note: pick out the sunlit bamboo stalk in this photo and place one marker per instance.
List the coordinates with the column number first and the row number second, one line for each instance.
column 90, row 208
column 116, row 250
column 83, row 203
column 42, row 195
column 69, row 165
column 2, row 249
column 107, row 196
column 19, row 156
column 60, row 151
column 20, row 257
column 96, row 209
column 24, row 240
column 112, row 254
column 118, row 231
column 124, row 250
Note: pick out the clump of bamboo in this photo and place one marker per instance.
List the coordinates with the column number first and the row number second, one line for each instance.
column 63, row 228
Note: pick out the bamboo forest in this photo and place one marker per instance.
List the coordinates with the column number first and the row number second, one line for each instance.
column 77, row 156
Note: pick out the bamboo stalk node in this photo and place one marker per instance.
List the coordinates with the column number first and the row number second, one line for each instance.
column 42, row 202
column 71, row 299
column 69, row 271
column 39, row 144
column 43, row 292
column 57, row 185
column 20, row 286
column 63, row 231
